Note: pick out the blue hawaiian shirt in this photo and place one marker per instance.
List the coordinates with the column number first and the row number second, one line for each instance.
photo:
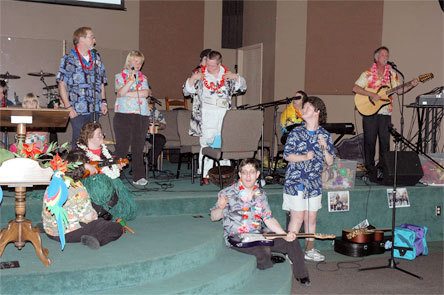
column 305, row 176
column 241, row 216
column 82, row 84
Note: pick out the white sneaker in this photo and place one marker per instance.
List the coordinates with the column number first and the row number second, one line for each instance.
column 314, row 255
column 141, row 182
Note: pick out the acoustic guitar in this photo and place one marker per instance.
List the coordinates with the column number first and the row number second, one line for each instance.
column 364, row 235
column 249, row 240
column 367, row 107
column 105, row 163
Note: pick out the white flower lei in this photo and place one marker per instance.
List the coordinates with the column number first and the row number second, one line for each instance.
column 112, row 172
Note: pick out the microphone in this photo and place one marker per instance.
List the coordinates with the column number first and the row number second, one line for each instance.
column 135, row 75
column 392, row 64
column 155, row 100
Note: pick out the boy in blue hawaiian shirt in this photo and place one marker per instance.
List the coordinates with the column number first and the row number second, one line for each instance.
column 307, row 148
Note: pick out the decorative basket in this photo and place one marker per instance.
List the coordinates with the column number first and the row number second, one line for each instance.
column 228, row 175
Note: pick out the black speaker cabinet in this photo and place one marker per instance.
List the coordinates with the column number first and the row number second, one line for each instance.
column 409, row 170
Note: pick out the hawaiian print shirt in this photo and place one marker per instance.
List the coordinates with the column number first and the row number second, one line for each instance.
column 82, row 84
column 200, row 94
column 242, row 216
column 131, row 105
column 79, row 210
column 365, row 79
column 305, row 176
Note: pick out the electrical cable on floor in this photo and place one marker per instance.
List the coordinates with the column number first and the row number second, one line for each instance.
column 340, row 265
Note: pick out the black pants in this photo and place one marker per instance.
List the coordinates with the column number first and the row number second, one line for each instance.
column 292, row 249
column 159, row 143
column 103, row 230
column 130, row 130
column 375, row 126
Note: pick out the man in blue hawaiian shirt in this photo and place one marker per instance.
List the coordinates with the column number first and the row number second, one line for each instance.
column 244, row 209
column 81, row 79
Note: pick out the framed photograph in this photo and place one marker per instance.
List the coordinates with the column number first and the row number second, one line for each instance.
column 402, row 197
column 338, row 201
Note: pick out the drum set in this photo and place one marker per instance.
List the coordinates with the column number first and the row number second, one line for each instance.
column 50, row 91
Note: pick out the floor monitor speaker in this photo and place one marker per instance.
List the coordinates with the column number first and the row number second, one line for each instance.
column 409, row 170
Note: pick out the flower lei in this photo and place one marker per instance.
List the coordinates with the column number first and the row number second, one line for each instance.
column 139, row 79
column 90, row 63
column 375, row 78
column 256, row 222
column 211, row 85
column 112, row 172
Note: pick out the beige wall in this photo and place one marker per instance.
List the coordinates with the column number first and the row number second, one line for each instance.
column 42, row 27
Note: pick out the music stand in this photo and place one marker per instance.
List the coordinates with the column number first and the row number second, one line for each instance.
column 398, row 138
column 19, row 230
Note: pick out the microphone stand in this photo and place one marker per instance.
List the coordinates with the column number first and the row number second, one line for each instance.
column 94, row 57
column 392, row 264
column 394, row 67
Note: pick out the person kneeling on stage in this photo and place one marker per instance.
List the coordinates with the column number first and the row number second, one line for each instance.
column 84, row 226
column 292, row 116
column 244, row 208
column 157, row 122
column 107, row 191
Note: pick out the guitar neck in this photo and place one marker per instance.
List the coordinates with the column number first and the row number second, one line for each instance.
column 299, row 235
column 394, row 89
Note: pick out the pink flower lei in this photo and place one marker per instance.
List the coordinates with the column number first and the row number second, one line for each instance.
column 139, row 78
column 375, row 78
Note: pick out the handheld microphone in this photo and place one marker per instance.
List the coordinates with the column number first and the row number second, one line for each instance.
column 135, row 75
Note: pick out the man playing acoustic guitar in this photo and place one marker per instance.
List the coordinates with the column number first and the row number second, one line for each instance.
column 377, row 125
column 243, row 207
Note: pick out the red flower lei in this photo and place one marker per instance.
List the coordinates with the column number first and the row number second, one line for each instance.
column 375, row 78
column 211, row 85
column 89, row 67
column 139, row 79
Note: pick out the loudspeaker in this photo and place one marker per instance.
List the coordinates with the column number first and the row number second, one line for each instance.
column 409, row 170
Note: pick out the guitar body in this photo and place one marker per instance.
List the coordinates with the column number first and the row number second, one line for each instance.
column 237, row 242
column 366, row 106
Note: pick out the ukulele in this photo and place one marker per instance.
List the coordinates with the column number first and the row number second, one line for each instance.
column 249, row 240
column 105, row 163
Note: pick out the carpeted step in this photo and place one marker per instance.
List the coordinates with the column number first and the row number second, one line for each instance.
column 276, row 280
column 161, row 248
column 225, row 274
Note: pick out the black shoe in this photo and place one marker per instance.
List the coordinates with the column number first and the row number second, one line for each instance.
column 304, row 281
column 277, row 258
column 90, row 241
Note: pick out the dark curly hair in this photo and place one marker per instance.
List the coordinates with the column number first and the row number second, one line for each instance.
column 318, row 105
column 79, row 157
column 87, row 132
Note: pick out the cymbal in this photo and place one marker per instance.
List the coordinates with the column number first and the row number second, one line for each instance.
column 50, row 87
column 41, row 74
column 8, row 76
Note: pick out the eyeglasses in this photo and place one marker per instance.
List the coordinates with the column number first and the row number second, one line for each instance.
column 252, row 172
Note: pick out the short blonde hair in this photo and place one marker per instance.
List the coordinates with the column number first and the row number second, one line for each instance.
column 30, row 101
column 133, row 54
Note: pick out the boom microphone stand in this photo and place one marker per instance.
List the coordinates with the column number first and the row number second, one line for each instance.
column 392, row 264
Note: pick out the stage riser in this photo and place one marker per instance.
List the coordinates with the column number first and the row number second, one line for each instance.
column 365, row 202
